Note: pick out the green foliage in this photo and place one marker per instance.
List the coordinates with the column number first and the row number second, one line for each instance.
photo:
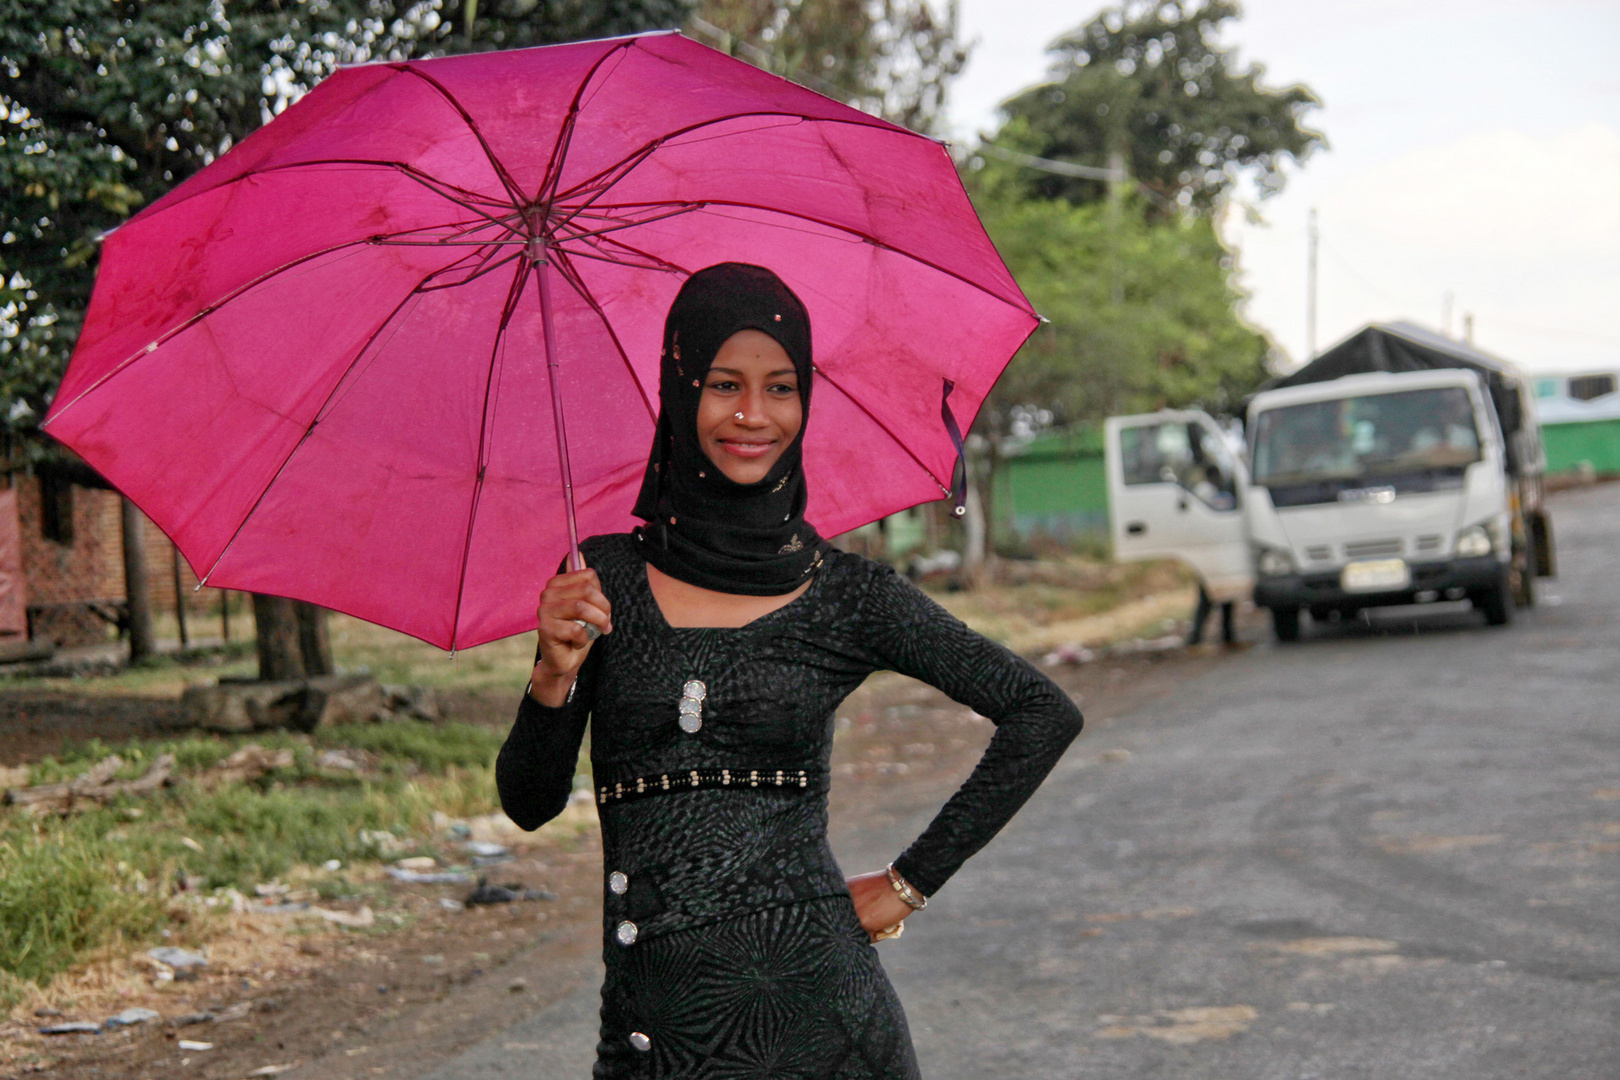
column 434, row 748
column 106, row 104
column 63, row 893
column 108, row 872
column 893, row 58
column 1149, row 81
column 1143, row 314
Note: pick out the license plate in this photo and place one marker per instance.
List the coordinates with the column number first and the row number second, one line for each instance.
column 1376, row 575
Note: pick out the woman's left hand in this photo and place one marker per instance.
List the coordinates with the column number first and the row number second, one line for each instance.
column 878, row 906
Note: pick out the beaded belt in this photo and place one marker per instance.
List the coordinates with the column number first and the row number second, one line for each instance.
column 641, row 787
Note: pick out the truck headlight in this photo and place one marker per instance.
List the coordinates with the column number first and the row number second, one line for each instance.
column 1475, row 541
column 1274, row 563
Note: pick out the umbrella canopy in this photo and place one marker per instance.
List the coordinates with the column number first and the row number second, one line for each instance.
column 321, row 364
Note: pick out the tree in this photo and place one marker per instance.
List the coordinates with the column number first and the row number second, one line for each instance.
column 1150, row 82
column 892, row 58
column 292, row 641
column 1142, row 310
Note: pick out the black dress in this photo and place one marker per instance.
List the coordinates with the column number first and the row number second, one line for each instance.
column 731, row 943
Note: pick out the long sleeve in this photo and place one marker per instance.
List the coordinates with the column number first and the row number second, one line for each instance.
column 534, row 772
column 1035, row 721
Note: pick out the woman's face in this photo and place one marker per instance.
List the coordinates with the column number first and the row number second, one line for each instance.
column 750, row 410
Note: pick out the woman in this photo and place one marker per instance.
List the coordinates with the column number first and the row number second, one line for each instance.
column 729, row 633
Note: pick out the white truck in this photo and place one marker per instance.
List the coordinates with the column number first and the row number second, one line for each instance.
column 1399, row 468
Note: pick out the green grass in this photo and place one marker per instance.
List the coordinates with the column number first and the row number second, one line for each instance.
column 64, row 893
column 72, row 887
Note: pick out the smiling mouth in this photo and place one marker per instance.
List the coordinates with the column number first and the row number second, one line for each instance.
column 748, row 449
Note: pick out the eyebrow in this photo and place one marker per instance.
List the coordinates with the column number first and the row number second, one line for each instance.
column 769, row 375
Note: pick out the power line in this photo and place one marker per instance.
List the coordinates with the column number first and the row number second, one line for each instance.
column 1061, row 168
column 1069, row 168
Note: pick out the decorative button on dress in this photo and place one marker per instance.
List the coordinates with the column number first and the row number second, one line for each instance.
column 731, row 942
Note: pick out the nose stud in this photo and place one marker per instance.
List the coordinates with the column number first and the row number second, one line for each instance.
column 738, row 415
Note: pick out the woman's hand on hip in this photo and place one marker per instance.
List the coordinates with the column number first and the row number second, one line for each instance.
column 877, row 905
column 568, row 603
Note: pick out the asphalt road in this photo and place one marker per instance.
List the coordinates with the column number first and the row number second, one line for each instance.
column 1390, row 851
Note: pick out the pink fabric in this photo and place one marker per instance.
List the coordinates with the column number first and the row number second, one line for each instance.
column 295, row 362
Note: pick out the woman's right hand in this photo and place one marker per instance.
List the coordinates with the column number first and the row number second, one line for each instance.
column 567, row 601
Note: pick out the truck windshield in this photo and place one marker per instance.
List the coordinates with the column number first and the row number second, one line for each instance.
column 1369, row 437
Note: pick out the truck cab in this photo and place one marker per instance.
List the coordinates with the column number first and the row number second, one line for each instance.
column 1384, row 473
column 1378, row 489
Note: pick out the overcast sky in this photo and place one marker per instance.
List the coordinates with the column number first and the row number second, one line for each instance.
column 1475, row 150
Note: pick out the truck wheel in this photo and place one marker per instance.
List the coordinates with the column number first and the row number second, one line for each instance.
column 1496, row 604
column 1285, row 623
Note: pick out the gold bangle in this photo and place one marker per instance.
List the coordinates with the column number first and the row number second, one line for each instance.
column 914, row 899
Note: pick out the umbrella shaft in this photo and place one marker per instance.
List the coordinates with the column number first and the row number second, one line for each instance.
column 541, row 268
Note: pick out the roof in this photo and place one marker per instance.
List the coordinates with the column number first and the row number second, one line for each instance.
column 1399, row 346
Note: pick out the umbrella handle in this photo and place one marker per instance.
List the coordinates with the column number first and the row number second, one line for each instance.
column 541, row 266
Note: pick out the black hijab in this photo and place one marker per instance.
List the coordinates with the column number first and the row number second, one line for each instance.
column 702, row 527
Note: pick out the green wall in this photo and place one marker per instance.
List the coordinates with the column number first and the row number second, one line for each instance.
column 1055, row 486
column 1597, row 441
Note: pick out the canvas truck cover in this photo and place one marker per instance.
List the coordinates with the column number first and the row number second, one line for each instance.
column 1404, row 347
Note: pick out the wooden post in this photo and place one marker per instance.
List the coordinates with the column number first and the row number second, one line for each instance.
column 225, row 615
column 180, row 599
column 135, row 591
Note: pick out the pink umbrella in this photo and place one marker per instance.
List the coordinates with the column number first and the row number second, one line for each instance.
column 332, row 365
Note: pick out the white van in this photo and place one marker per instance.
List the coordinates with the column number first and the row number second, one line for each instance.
column 1362, row 491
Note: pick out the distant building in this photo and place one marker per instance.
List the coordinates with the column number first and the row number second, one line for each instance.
column 1053, row 487
column 1580, row 421
column 62, row 561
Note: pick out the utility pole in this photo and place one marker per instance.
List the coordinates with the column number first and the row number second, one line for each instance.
column 1468, row 327
column 1116, row 200
column 1445, row 312
column 1310, row 293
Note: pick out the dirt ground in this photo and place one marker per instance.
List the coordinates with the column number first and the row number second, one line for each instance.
column 316, row 1001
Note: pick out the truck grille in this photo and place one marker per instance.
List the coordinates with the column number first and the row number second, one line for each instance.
column 1372, row 549
column 1322, row 553
column 1429, row 543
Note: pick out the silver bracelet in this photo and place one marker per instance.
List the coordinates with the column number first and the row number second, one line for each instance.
column 914, row 899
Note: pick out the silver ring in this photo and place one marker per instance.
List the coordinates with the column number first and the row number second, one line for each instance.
column 591, row 632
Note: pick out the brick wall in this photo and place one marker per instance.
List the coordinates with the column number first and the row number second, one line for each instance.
column 91, row 567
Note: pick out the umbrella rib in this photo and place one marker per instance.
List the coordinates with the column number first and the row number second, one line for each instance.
column 315, row 421
column 870, row 415
column 234, row 294
column 633, row 159
column 149, row 349
column 410, row 170
column 490, row 395
column 572, row 275
column 425, row 178
column 862, row 236
column 565, row 136
column 656, row 262
column 620, row 223
column 505, row 177
column 485, row 268
column 653, row 262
